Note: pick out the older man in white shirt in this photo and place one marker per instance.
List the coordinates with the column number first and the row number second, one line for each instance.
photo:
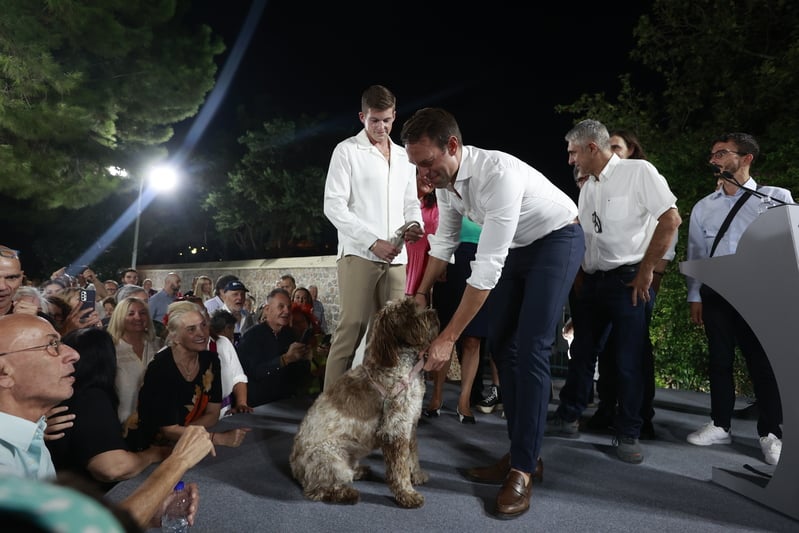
column 630, row 219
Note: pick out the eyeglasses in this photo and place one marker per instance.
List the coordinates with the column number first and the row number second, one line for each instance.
column 597, row 222
column 53, row 348
column 8, row 252
column 718, row 154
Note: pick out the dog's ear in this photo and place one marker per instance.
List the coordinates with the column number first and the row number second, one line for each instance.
column 383, row 345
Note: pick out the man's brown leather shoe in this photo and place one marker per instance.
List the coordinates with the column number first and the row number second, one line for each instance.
column 495, row 474
column 514, row 497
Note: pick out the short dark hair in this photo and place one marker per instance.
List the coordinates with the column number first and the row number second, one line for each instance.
column 221, row 319
column 125, row 271
column 745, row 143
column 434, row 123
column 275, row 292
column 378, row 98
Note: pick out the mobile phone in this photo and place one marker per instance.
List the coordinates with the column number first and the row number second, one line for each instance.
column 87, row 297
column 307, row 336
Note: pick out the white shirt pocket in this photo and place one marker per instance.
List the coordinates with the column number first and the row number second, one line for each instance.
column 617, row 208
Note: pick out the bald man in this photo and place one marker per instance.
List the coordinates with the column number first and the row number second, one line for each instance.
column 35, row 376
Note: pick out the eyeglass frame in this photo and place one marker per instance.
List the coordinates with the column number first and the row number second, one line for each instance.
column 597, row 222
column 718, row 154
column 54, row 343
column 4, row 252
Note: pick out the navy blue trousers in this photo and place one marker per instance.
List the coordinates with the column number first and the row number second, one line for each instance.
column 605, row 301
column 526, row 305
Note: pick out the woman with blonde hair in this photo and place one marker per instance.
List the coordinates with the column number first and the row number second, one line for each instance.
column 183, row 385
column 203, row 288
column 136, row 344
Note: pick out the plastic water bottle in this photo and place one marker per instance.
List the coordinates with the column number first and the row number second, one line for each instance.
column 174, row 519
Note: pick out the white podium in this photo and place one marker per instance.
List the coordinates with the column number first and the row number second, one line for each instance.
column 761, row 281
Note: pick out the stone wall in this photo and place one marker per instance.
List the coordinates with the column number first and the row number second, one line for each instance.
column 259, row 276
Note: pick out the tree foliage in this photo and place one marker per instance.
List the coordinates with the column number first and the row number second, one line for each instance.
column 272, row 199
column 709, row 66
column 89, row 84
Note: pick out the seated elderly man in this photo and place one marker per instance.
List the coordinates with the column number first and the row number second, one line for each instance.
column 275, row 362
column 36, row 375
column 233, row 297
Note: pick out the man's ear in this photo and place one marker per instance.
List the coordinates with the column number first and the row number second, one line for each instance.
column 6, row 374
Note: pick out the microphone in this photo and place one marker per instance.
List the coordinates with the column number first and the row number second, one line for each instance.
column 723, row 173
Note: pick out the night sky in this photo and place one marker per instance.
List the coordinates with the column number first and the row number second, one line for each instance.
column 500, row 70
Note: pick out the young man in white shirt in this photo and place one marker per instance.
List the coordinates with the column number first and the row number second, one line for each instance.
column 370, row 192
column 732, row 154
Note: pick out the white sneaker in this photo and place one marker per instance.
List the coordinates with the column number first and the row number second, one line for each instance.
column 709, row 434
column 771, row 446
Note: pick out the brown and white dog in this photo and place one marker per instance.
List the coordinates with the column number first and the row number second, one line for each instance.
column 374, row 405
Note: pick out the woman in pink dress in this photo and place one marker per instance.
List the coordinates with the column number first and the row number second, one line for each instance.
column 417, row 251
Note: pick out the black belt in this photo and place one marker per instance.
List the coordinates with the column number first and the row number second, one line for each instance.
column 618, row 271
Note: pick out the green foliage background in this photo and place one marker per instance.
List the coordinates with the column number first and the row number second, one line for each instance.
column 710, row 66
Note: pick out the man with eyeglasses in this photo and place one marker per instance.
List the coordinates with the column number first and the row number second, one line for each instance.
column 10, row 279
column 35, row 375
column 629, row 217
column 732, row 155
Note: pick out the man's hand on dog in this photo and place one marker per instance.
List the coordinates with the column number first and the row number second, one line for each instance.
column 439, row 352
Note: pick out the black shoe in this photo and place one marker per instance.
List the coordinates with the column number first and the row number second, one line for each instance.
column 600, row 421
column 492, row 402
column 647, row 431
column 432, row 413
column 465, row 419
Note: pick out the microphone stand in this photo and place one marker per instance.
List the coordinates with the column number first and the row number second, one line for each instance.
column 764, row 198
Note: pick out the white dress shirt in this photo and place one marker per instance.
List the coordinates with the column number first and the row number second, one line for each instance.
column 232, row 372
column 367, row 197
column 708, row 215
column 513, row 202
column 625, row 202
column 130, row 374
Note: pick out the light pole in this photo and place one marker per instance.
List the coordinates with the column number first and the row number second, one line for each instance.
column 161, row 178
column 136, row 230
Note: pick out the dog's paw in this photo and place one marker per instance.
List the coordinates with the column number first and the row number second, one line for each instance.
column 410, row 500
column 420, row 477
column 337, row 494
column 361, row 472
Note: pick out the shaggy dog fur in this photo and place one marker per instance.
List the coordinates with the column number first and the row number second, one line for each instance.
column 374, row 405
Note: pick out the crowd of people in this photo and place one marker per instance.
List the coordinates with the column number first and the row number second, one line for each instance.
column 112, row 390
column 480, row 235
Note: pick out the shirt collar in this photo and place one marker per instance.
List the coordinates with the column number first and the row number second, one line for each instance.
column 610, row 166
column 749, row 184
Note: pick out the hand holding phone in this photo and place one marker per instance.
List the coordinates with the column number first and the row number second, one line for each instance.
column 86, row 303
column 87, row 299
